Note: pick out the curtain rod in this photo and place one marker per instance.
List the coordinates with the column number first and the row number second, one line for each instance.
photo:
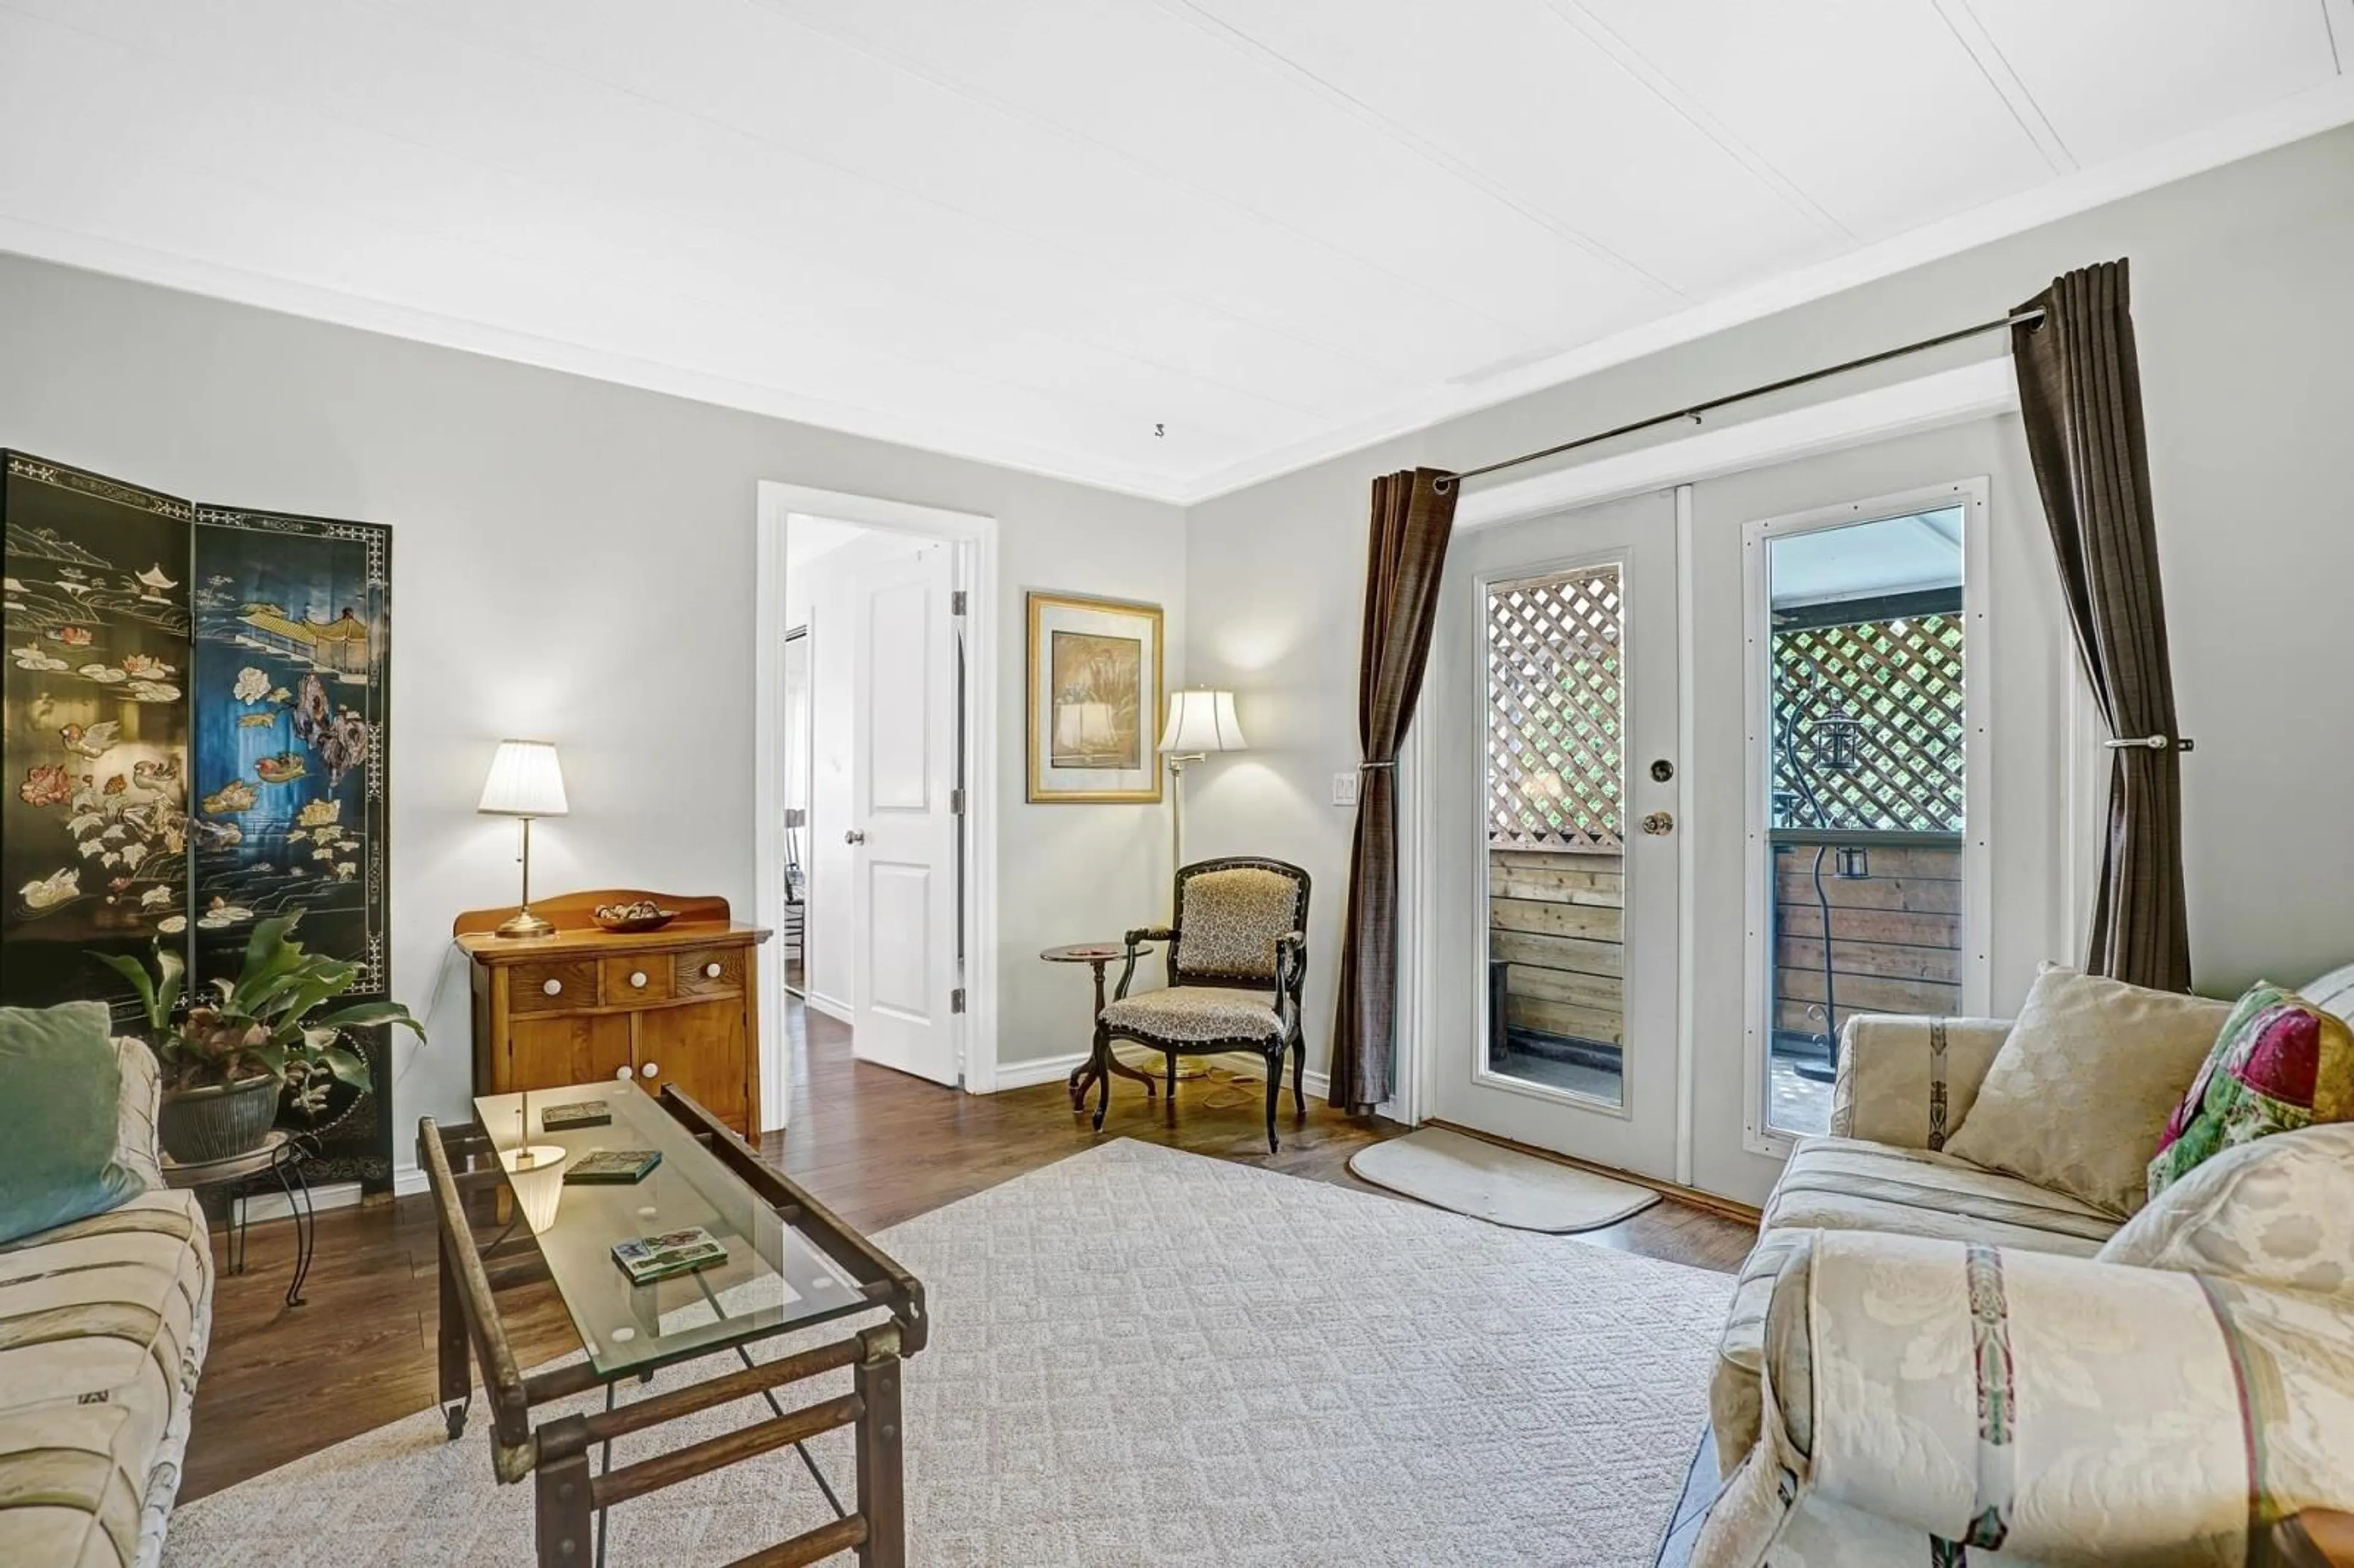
column 1448, row 482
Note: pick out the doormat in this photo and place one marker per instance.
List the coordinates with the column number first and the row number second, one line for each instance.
column 1499, row 1185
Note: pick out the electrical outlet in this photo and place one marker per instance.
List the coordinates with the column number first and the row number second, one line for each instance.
column 1345, row 787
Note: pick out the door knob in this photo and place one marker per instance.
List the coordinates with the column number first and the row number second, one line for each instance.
column 1658, row 822
column 638, row 978
column 552, row 987
column 621, row 1072
column 650, row 1069
column 852, row 836
column 711, row 971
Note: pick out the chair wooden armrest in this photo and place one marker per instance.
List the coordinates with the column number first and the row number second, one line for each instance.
column 1134, row 940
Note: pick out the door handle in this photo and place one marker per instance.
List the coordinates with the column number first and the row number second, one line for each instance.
column 1659, row 823
column 852, row 836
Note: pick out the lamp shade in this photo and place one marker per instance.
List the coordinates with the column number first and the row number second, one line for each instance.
column 525, row 781
column 1202, row 721
column 536, row 1174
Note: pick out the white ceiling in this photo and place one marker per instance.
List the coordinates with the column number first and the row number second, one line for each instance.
column 1034, row 230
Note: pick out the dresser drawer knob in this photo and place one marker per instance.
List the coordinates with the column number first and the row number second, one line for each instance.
column 711, row 971
column 621, row 1072
column 638, row 978
column 650, row 1069
column 552, row 987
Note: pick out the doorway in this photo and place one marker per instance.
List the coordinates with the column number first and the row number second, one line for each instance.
column 873, row 833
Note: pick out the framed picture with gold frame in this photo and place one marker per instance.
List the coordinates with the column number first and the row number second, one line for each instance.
column 1094, row 701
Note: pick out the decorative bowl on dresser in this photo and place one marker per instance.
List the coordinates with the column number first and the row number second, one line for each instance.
column 679, row 1005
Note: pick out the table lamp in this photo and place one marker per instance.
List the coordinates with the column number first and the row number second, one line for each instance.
column 525, row 782
column 1199, row 723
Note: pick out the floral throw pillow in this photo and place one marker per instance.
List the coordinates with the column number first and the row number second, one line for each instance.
column 2280, row 1062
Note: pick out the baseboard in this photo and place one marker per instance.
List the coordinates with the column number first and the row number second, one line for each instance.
column 407, row 1180
column 263, row 1207
column 837, row 1010
column 1045, row 1070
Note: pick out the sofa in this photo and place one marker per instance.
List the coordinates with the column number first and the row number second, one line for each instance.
column 103, row 1323
column 1930, row 1363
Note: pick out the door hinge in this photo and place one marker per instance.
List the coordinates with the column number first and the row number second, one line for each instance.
column 956, row 801
column 956, row 602
column 956, row 1000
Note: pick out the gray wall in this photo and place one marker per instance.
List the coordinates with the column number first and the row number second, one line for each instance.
column 2241, row 296
column 572, row 560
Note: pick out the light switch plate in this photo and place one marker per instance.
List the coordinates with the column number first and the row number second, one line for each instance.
column 1345, row 787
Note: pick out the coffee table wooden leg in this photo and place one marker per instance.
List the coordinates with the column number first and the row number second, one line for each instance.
column 882, row 1492
column 566, row 1519
column 457, row 1381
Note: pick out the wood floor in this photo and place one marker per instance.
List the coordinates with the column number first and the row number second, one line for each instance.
column 876, row 1146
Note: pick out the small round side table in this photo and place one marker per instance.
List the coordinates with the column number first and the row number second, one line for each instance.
column 1101, row 1059
column 280, row 1155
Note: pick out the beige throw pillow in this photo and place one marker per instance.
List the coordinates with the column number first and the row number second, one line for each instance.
column 2080, row 1092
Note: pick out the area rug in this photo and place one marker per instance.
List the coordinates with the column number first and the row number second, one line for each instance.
column 1502, row 1186
column 1145, row 1357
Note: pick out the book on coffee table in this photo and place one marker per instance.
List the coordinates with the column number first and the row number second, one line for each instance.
column 650, row 1258
column 574, row 1116
column 613, row 1166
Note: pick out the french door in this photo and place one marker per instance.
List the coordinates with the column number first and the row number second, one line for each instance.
column 1552, row 693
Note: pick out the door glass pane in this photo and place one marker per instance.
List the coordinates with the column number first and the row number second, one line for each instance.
column 1866, row 728
column 1556, row 819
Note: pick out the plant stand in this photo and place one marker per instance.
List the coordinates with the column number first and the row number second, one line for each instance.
column 280, row 1155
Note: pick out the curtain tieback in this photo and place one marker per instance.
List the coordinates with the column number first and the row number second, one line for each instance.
column 2153, row 743
column 1363, row 767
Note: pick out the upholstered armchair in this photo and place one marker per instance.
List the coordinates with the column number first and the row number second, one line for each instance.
column 1238, row 956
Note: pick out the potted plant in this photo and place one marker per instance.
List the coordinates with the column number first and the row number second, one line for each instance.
column 227, row 1061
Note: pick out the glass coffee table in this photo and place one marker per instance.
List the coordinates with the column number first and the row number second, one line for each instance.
column 506, row 1218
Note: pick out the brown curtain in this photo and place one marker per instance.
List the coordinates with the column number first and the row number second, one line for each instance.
column 1406, row 553
column 2080, row 397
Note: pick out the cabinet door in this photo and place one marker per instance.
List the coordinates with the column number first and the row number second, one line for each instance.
column 702, row 1050
column 549, row 1053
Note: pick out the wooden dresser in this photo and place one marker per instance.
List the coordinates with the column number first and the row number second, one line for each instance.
column 680, row 1005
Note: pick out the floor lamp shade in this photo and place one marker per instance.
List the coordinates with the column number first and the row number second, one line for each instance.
column 1199, row 723
column 526, row 781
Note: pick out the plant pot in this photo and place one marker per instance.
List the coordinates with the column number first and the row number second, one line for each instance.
column 219, row 1121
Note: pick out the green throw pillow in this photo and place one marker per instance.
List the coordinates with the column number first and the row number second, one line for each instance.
column 60, row 1090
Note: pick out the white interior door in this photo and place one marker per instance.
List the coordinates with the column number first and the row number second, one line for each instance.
column 902, row 831
column 1553, row 688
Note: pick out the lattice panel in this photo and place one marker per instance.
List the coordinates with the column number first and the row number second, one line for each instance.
column 1902, row 680
column 1556, row 712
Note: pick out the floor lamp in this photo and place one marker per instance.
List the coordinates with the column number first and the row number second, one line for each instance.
column 1199, row 723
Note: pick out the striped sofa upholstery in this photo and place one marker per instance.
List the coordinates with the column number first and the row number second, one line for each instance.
column 1888, row 1274
column 102, row 1329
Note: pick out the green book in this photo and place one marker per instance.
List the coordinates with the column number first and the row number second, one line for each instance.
column 614, row 1167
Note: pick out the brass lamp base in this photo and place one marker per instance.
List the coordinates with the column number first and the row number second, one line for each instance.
column 526, row 924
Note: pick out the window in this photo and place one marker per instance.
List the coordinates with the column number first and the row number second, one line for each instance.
column 1865, row 762
column 1556, row 823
